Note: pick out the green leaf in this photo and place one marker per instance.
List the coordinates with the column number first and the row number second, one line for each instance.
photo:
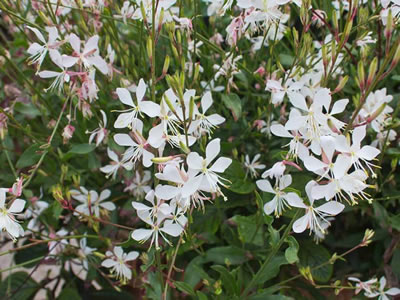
column 395, row 222
column 201, row 296
column 31, row 253
column 291, row 251
column 234, row 104
column 248, row 230
column 82, row 149
column 226, row 255
column 184, row 287
column 272, row 269
column 17, row 286
column 29, row 157
column 27, row 109
column 228, row 281
column 312, row 255
column 69, row 294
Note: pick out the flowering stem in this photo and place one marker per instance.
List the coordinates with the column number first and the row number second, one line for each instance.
column 274, row 250
column 171, row 266
column 22, row 264
column 159, row 267
column 153, row 51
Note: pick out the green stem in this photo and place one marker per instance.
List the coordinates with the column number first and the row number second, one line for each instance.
column 273, row 252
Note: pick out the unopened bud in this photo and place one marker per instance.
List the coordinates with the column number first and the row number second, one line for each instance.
column 389, row 25
column 184, row 147
column 196, row 72
column 171, row 107
column 341, row 84
column 161, row 160
column 376, row 113
column 191, row 108
column 368, row 235
column 160, row 20
column 143, row 11
column 166, row 65
column 361, row 75
column 347, row 31
column 372, row 71
column 149, row 48
column 324, row 56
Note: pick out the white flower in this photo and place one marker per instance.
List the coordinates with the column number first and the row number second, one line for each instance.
column 7, row 216
column 117, row 261
column 83, row 254
column 115, row 165
column 314, row 217
column 253, row 166
column 206, row 178
column 38, row 52
column 57, row 246
column 357, row 153
column 281, row 199
column 101, row 132
column 34, row 211
column 126, row 11
column 203, row 123
column 129, row 117
column 136, row 150
column 91, row 201
column 158, row 209
column 366, row 286
column 381, row 293
column 276, row 171
column 157, row 228
column 90, row 54
column 139, row 185
column 63, row 62
column 278, row 91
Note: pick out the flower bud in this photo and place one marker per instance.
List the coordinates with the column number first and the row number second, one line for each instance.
column 161, row 160
column 376, row 113
column 396, row 56
column 149, row 48
column 368, row 235
column 389, row 25
column 170, row 106
column 166, row 65
column 372, row 70
column 341, row 84
column 361, row 75
column 184, row 147
column 191, row 108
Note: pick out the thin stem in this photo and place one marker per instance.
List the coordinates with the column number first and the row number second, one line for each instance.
column 9, row 159
column 273, row 252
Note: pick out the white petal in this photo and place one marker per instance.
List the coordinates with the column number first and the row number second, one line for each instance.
column 124, row 120
column 212, row 150
column 358, row 135
column 172, row 229
column 118, row 251
column 270, row 206
column 124, row 139
column 150, row 108
column 140, row 90
column 140, row 206
column 393, row 291
column 265, row 186
column 38, row 34
column 132, row 256
column 166, row 192
column 109, row 263
column 368, row 152
column 75, row 42
column 108, row 205
column 339, row 106
column 147, row 157
column 215, row 119
column 17, row 206
column 104, row 195
column 341, row 166
column 194, row 161
column 332, row 208
column 99, row 63
column 312, row 164
column 280, row 130
column 301, row 224
column 141, row 234
column 206, row 101
column 221, row 164
column 91, row 44
column 48, row 74
column 125, row 96
column 191, row 186
column 112, row 155
column 298, row 101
